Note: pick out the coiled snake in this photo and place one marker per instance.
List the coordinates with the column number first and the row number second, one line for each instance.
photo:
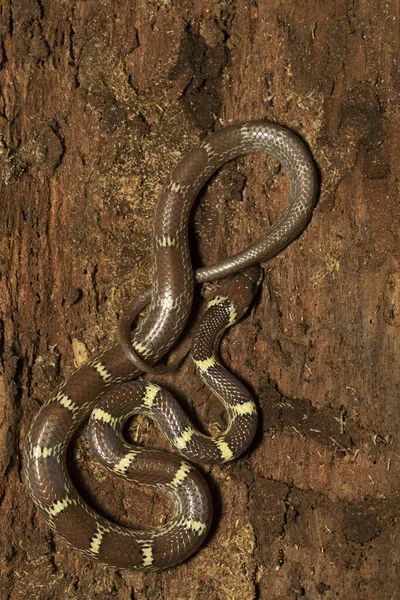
column 91, row 388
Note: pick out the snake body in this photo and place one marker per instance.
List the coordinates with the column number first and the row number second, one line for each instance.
column 91, row 389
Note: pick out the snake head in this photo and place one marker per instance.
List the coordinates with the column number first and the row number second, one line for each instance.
column 242, row 287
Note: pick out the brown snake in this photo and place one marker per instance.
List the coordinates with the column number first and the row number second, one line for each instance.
column 90, row 389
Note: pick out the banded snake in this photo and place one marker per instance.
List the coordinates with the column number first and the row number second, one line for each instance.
column 92, row 388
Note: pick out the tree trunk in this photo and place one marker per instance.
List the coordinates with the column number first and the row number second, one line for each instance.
column 98, row 102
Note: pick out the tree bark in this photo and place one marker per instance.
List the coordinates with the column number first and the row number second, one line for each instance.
column 98, row 102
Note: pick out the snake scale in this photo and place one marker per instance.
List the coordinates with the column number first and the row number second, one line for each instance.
column 92, row 389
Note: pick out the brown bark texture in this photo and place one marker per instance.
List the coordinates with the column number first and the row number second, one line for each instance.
column 98, row 102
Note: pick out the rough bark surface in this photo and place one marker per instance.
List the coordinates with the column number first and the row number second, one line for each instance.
column 98, row 102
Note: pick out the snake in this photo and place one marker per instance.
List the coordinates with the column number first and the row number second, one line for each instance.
column 103, row 388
